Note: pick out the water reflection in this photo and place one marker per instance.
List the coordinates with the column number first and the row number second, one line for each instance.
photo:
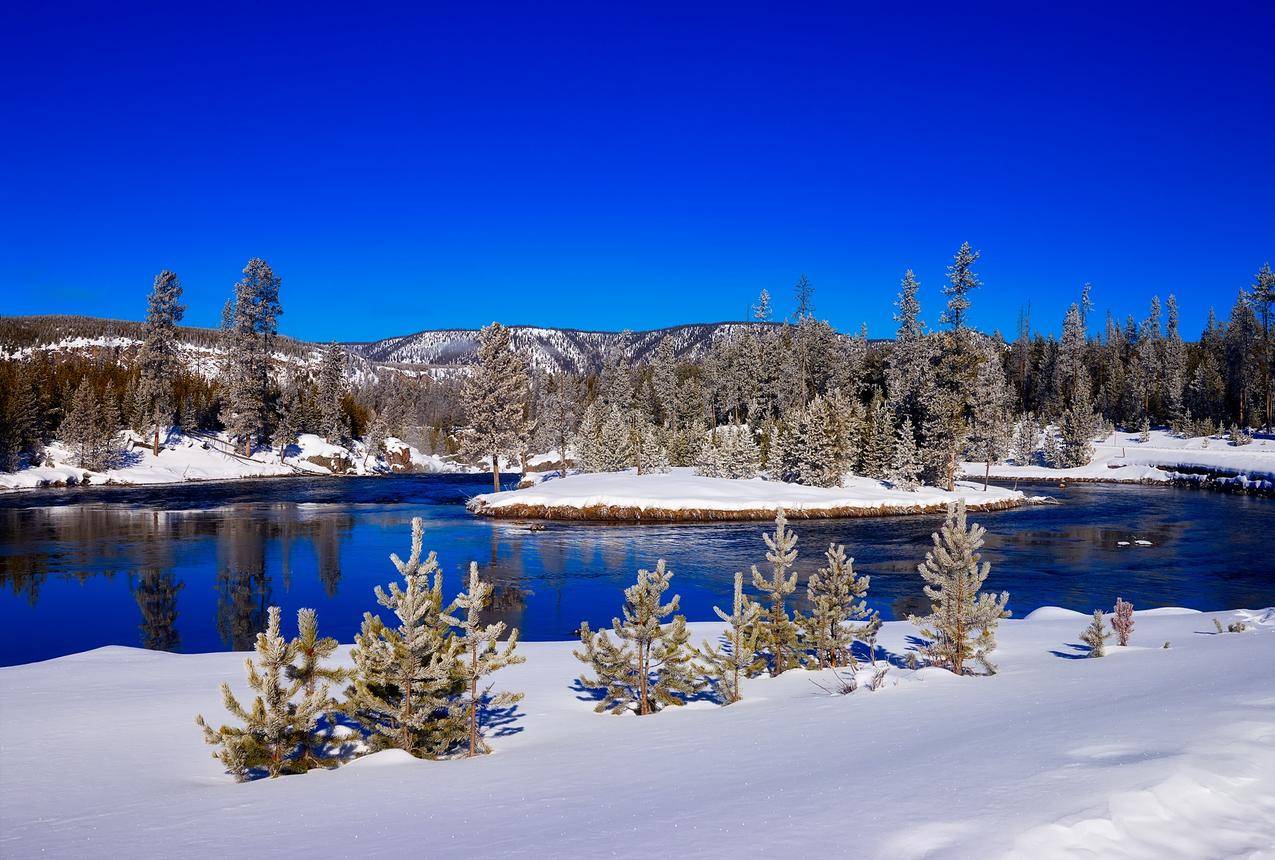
column 177, row 571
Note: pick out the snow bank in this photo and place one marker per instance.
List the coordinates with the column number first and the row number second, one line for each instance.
column 1146, row 753
column 680, row 495
column 1161, row 459
column 212, row 457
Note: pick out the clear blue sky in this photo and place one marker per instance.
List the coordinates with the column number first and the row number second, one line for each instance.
column 606, row 167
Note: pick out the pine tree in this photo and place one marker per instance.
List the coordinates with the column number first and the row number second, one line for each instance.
column 332, row 421
column 495, row 401
column 909, row 371
column 250, row 325
column 962, row 622
column 81, row 426
column 804, row 299
column 277, row 730
column 648, row 452
column 615, row 443
column 726, row 666
column 1173, row 375
column 308, row 670
column 559, row 416
column 761, row 310
column 287, row 427
column 649, row 666
column 1122, row 621
column 157, row 361
column 405, row 676
column 778, row 632
column 836, row 596
column 1263, row 301
column 1095, row 635
column 961, row 280
column 480, row 655
column 905, row 466
column 1026, row 440
column 377, row 432
column 664, row 382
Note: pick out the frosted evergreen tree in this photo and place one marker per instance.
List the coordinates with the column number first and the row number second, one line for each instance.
column 908, row 373
column 815, row 446
column 480, row 654
column 377, row 432
column 309, row 669
column 905, row 466
column 778, row 632
column 1147, row 361
column 615, row 385
column 559, row 416
column 664, row 382
column 762, row 311
column 1026, row 440
column 1122, row 621
column 250, row 327
column 615, row 443
column 736, row 658
column 495, row 401
column 1263, row 303
column 1173, row 375
column 287, row 426
column 1051, row 449
column 961, row 625
column 649, row 665
column 157, row 360
column 279, row 725
column 961, row 280
column 648, row 452
column 1096, row 635
column 588, row 437
column 405, row 684
column 836, row 597
column 332, row 384
column 878, row 442
column 730, row 452
column 804, row 299
column 83, row 429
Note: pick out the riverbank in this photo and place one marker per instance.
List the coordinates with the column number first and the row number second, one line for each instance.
column 1122, row 458
column 211, row 457
column 1145, row 752
column 680, row 495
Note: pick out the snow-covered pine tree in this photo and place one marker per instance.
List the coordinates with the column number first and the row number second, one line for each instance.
column 962, row 622
column 909, row 374
column 1096, row 635
column 761, row 310
column 157, row 361
column 559, row 416
column 404, row 683
column 287, row 425
column 1173, row 375
column 877, row 449
column 480, row 654
column 664, row 382
column 81, row 428
column 803, row 299
column 815, row 446
column 1051, row 448
column 495, row 401
column 308, row 669
column 649, row 453
column 276, row 730
column 377, row 433
column 1122, row 621
column 1026, row 440
column 333, row 424
column 736, row 658
column 615, row 442
column 587, row 442
column 905, row 466
column 961, row 280
column 836, row 599
column 778, row 632
column 649, row 666
column 250, row 324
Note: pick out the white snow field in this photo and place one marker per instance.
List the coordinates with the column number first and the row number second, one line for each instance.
column 209, row 457
column 680, row 494
column 1121, row 457
column 1144, row 753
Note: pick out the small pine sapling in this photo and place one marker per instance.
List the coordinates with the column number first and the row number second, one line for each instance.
column 1217, row 625
column 962, row 622
column 726, row 666
column 276, row 729
column 405, row 684
column 1095, row 635
column 1122, row 621
column 480, row 656
column 837, row 599
column 779, row 633
column 310, row 672
column 649, row 665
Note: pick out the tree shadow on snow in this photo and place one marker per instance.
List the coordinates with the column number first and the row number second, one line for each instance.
column 1078, row 652
column 499, row 722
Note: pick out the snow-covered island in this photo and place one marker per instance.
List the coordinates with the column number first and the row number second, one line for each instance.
column 680, row 495
column 1147, row 752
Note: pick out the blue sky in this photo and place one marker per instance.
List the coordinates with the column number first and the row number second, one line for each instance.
column 607, row 168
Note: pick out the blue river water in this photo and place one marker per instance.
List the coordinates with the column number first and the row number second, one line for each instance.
column 193, row 567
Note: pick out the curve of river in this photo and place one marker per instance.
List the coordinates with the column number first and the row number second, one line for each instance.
column 193, row 567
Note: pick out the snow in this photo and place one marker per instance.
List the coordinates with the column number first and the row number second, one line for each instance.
column 1145, row 753
column 682, row 492
column 211, row 457
column 1122, row 457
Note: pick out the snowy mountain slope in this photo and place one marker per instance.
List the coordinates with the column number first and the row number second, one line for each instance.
column 548, row 349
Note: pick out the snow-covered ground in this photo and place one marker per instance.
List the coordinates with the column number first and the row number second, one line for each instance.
column 681, row 494
column 211, row 458
column 1121, row 457
column 1146, row 752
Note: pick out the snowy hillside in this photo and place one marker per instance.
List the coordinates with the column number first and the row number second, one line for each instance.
column 1147, row 752
column 548, row 349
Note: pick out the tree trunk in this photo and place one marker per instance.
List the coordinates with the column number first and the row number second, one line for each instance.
column 156, row 445
column 247, row 446
column 495, row 472
column 473, row 709
column 987, row 473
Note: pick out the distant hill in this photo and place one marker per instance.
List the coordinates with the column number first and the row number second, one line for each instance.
column 438, row 350
column 547, row 349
